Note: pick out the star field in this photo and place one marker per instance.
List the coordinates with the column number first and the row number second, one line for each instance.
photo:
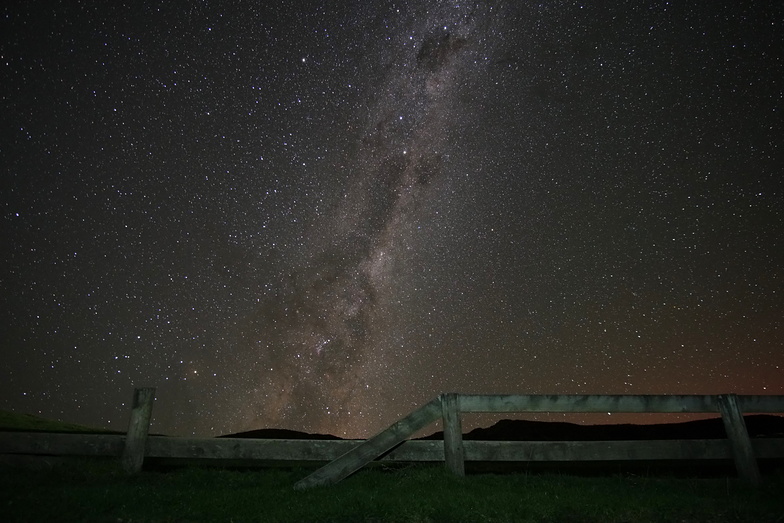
column 319, row 217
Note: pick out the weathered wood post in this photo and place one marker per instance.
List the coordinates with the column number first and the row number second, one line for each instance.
column 138, row 427
column 735, row 426
column 453, row 433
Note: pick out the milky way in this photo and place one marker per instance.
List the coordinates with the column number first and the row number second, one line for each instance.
column 324, row 328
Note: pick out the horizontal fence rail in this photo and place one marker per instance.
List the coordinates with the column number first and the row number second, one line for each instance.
column 37, row 443
column 43, row 444
column 392, row 445
column 628, row 403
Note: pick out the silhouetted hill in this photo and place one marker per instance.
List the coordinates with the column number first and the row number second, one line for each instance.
column 278, row 434
column 760, row 425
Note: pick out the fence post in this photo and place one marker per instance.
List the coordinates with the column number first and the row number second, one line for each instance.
column 453, row 434
column 138, row 427
column 735, row 426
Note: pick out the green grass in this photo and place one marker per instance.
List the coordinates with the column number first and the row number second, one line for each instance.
column 28, row 422
column 100, row 491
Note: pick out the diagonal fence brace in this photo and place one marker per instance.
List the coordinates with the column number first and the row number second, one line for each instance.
column 372, row 448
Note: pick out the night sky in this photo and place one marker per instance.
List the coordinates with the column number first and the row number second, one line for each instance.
column 320, row 215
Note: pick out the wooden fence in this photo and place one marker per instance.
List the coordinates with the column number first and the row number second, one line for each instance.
column 449, row 407
column 346, row 456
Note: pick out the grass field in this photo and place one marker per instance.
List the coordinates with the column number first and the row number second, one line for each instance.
column 99, row 491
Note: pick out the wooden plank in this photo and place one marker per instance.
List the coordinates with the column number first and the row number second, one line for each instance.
column 742, row 451
column 365, row 452
column 416, row 450
column 37, row 443
column 751, row 404
column 767, row 448
column 596, row 450
column 56, row 444
column 587, row 403
column 250, row 449
column 282, row 449
column 453, row 434
column 138, row 428
column 433, row 450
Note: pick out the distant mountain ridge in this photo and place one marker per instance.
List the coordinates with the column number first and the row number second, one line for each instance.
column 279, row 434
column 758, row 425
